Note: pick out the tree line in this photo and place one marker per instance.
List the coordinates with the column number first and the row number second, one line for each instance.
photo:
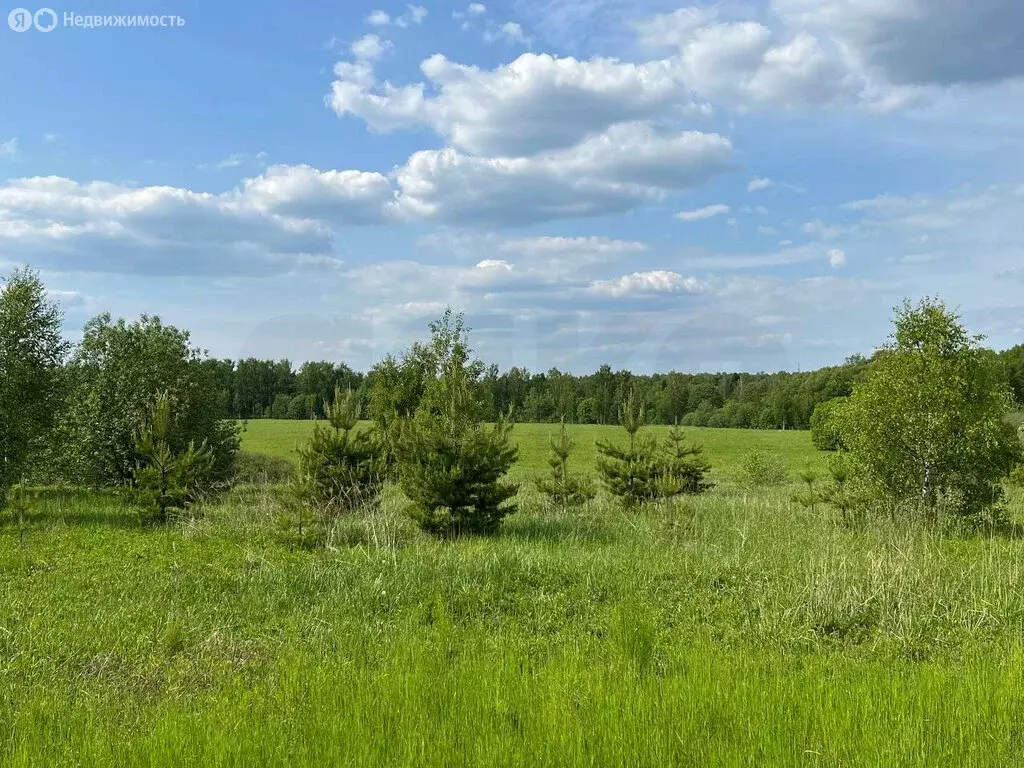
column 275, row 389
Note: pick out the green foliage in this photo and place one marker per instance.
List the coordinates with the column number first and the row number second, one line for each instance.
column 116, row 372
column 340, row 468
column 32, row 352
column 684, row 466
column 808, row 496
column 167, row 480
column 762, row 468
column 562, row 488
column 824, row 429
column 927, row 428
column 450, row 464
column 644, row 470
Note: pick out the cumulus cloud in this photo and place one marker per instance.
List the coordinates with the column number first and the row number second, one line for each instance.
column 756, row 185
column 272, row 223
column 378, row 19
column 627, row 165
column 369, row 48
column 837, row 258
column 535, row 103
column 703, row 213
column 639, row 283
column 9, row 147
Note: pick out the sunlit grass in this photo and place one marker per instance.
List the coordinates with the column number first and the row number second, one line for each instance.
column 736, row 628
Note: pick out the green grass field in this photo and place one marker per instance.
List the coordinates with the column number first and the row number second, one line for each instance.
column 723, row 447
column 736, row 628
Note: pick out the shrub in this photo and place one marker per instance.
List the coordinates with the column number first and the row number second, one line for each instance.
column 165, row 479
column 340, row 468
column 685, row 469
column 644, row 471
column 763, row 468
column 824, row 427
column 450, row 464
column 562, row 488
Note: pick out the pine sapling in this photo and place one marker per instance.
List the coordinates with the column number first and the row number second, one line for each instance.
column 563, row 489
column 340, row 468
column 684, row 467
column 632, row 473
column 166, row 480
column 809, row 496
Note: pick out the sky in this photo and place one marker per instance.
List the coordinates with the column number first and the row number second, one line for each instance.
column 737, row 186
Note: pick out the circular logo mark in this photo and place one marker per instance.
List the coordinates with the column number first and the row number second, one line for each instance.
column 20, row 19
column 45, row 19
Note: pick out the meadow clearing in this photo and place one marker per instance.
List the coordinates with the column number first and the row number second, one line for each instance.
column 733, row 628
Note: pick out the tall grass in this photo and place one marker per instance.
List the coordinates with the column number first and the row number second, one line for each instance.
column 736, row 628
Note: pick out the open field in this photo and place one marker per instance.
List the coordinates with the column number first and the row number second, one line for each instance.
column 733, row 629
column 724, row 448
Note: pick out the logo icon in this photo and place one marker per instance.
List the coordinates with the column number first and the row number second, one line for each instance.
column 45, row 19
column 20, row 19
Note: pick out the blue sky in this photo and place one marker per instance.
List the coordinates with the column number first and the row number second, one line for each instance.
column 727, row 186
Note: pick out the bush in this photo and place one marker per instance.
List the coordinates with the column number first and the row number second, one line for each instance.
column 166, row 480
column 562, row 488
column 824, row 427
column 645, row 471
column 261, row 469
column 763, row 468
column 340, row 468
column 685, row 469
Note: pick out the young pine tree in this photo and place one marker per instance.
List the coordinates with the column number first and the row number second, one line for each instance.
column 647, row 471
column 450, row 464
column 340, row 468
column 632, row 473
column 685, row 468
column 562, row 488
column 166, row 480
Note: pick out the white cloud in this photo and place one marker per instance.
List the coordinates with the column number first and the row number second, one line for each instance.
column 627, row 165
column 675, row 29
column 916, row 42
column 837, row 258
column 757, row 185
column 476, row 9
column 819, row 229
column 58, row 223
column 9, row 148
column 510, row 32
column 369, row 48
column 535, row 103
column 416, row 15
column 703, row 213
column 378, row 19
column 639, row 283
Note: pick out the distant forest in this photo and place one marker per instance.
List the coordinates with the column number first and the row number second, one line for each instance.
column 253, row 389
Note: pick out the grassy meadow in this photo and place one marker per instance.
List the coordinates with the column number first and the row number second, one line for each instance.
column 732, row 629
